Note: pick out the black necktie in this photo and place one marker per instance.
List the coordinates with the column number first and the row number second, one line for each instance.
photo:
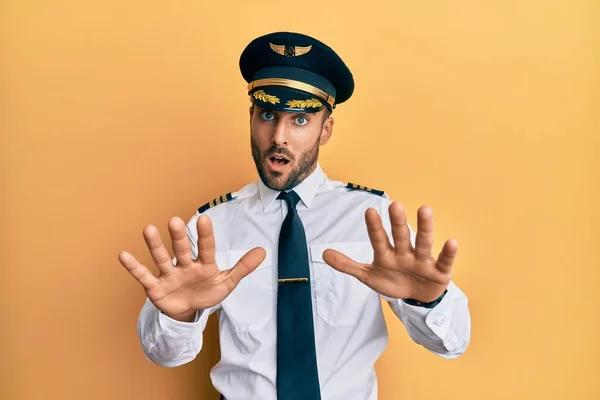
column 297, row 377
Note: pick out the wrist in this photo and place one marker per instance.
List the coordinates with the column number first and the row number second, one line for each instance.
column 429, row 304
column 183, row 317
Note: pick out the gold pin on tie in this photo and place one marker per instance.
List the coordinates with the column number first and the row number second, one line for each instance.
column 292, row 280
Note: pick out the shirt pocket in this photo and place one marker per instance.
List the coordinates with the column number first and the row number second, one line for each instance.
column 340, row 297
column 250, row 305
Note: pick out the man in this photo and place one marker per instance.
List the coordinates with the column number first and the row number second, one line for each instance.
column 295, row 264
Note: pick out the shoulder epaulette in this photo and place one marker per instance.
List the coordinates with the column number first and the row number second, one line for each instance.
column 216, row 202
column 353, row 186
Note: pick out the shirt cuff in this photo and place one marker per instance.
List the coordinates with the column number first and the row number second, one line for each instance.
column 451, row 321
column 173, row 328
column 437, row 318
column 448, row 320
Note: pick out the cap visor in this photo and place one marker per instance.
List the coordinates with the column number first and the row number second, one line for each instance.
column 286, row 99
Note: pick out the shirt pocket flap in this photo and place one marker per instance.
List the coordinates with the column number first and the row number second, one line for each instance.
column 361, row 252
column 227, row 259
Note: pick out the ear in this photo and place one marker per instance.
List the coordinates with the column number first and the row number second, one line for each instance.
column 251, row 111
column 327, row 130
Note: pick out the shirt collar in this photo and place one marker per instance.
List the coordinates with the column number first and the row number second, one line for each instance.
column 307, row 189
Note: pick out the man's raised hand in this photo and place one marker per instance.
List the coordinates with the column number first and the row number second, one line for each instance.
column 179, row 291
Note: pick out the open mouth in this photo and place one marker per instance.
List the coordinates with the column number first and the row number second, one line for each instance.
column 279, row 160
column 278, row 163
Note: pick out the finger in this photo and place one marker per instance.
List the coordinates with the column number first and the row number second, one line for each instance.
column 180, row 241
column 424, row 240
column 247, row 264
column 159, row 252
column 345, row 264
column 377, row 235
column 400, row 231
column 447, row 256
column 206, row 240
column 137, row 270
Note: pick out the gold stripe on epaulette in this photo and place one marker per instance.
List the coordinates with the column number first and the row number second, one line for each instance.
column 360, row 187
column 365, row 188
column 215, row 202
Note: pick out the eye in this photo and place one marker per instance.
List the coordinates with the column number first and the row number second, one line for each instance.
column 267, row 115
column 301, row 121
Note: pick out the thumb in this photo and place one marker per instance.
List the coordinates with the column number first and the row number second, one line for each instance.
column 247, row 264
column 345, row 264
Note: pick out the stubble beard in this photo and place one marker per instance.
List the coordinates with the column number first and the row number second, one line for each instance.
column 304, row 166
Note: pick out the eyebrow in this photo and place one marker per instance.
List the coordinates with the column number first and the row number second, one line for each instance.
column 278, row 113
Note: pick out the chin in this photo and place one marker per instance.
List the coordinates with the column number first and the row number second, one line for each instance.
column 274, row 180
column 284, row 179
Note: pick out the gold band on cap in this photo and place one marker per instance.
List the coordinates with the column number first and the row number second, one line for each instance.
column 294, row 85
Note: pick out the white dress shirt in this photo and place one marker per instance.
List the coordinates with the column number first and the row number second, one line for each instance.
column 350, row 330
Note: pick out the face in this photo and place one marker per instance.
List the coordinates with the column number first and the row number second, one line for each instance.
column 285, row 145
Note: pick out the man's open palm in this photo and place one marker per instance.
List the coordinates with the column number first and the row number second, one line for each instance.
column 398, row 270
column 191, row 285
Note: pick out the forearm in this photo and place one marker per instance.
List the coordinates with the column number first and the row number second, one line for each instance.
column 445, row 329
column 168, row 342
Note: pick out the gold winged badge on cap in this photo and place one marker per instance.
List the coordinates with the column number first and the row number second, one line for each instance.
column 290, row 51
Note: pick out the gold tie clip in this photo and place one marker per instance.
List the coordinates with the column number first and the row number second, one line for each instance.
column 292, row 280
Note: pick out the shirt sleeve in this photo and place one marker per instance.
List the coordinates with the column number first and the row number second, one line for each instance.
column 445, row 329
column 168, row 342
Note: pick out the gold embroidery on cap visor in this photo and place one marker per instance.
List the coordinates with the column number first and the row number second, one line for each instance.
column 267, row 98
column 305, row 87
column 308, row 103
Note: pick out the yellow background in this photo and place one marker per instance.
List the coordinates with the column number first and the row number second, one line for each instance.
column 120, row 114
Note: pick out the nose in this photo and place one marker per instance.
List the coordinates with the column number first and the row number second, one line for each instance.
column 280, row 134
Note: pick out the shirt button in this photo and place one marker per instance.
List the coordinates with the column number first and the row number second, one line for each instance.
column 440, row 322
